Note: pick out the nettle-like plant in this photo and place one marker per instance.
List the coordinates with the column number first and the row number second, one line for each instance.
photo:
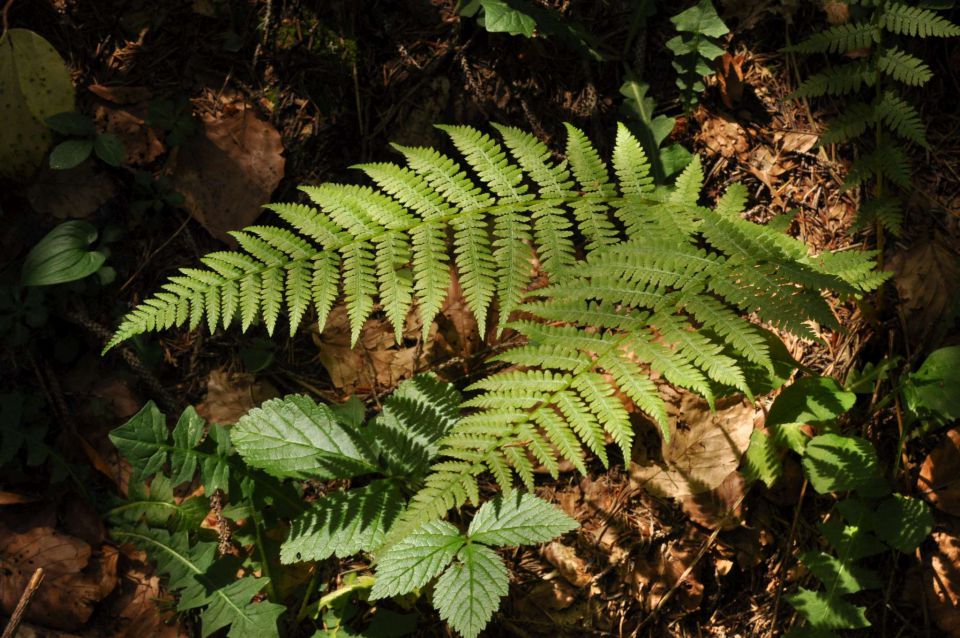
column 867, row 519
column 875, row 80
column 259, row 465
column 695, row 48
column 642, row 280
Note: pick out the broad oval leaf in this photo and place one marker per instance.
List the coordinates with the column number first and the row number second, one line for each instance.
column 934, row 389
column 295, row 437
column 823, row 611
column 62, row 255
column 35, row 84
column 519, row 519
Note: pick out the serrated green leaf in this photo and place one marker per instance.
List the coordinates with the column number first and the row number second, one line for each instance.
column 155, row 505
column 295, row 437
column 762, row 459
column 344, row 523
column 834, row 463
column 825, row 612
column 199, row 581
column 416, row 559
column 143, row 442
column 839, row 577
column 500, row 16
column 520, row 519
column 851, row 543
column 469, row 591
column 934, row 389
column 903, row 522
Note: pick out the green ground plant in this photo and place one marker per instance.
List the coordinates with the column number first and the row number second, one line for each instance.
column 876, row 89
column 259, row 466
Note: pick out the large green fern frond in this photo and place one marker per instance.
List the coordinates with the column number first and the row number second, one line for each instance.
column 670, row 304
column 903, row 19
column 841, row 38
column 388, row 245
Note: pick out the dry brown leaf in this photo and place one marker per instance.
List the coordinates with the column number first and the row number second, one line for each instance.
column 837, row 12
column 136, row 612
column 76, row 192
column 552, row 594
column 121, row 94
column 140, row 144
column 939, row 480
column 720, row 507
column 654, row 577
column 928, row 282
column 941, row 582
column 230, row 395
column 793, row 142
column 724, row 137
column 377, row 362
column 74, row 581
column 703, row 450
column 12, row 498
column 730, row 78
column 573, row 568
column 768, row 166
column 229, row 171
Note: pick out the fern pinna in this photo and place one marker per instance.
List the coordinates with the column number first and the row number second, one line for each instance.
column 641, row 278
column 886, row 119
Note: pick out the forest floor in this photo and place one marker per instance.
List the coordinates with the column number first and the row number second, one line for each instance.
column 288, row 92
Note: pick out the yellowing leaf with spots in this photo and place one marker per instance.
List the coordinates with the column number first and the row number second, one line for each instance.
column 34, row 84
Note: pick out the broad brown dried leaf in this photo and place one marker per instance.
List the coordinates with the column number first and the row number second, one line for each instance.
column 701, row 453
column 941, row 582
column 74, row 580
column 230, row 395
column 76, row 192
column 928, row 281
column 141, row 145
column 939, row 480
column 229, row 171
column 720, row 507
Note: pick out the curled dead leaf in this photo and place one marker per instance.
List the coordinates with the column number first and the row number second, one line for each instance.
column 141, row 145
column 941, row 582
column 939, row 480
column 730, row 78
column 229, row 171
column 573, row 568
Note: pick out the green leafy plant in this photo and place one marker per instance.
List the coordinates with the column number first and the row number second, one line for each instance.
column 520, row 17
column 652, row 130
column 35, row 84
column 472, row 578
column 258, row 465
column 83, row 140
column 64, row 255
column 867, row 519
column 174, row 117
column 878, row 113
column 695, row 48
column 662, row 286
column 153, row 194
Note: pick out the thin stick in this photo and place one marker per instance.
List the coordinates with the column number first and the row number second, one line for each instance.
column 17, row 617
column 6, row 17
column 786, row 555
